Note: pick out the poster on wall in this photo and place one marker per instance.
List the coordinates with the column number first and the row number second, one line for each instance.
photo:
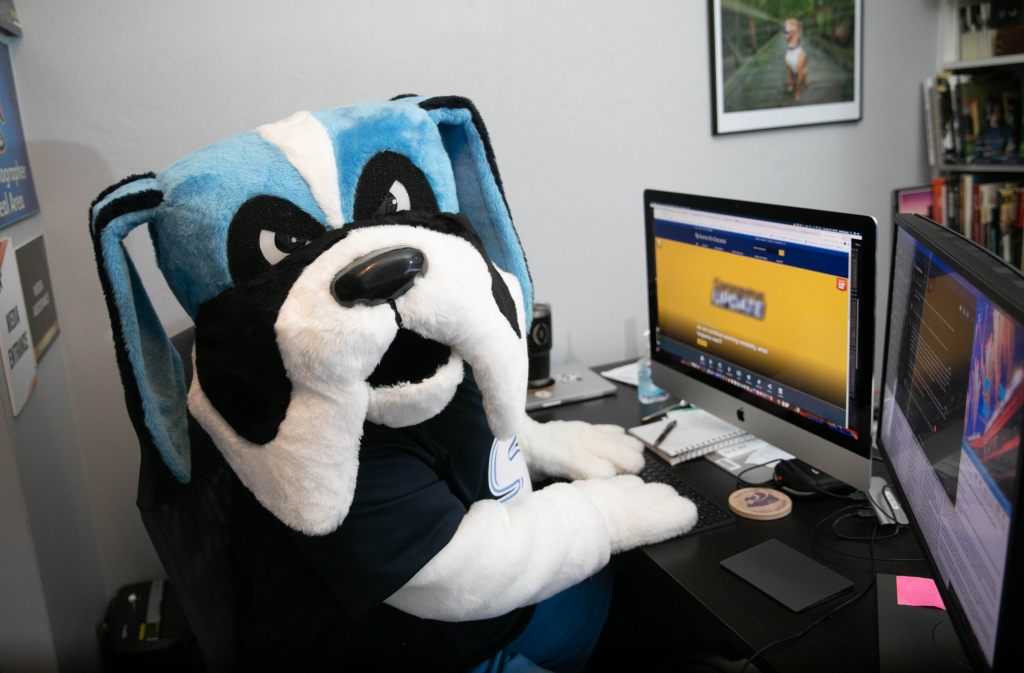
column 9, row 18
column 17, row 191
column 34, row 272
column 19, row 360
column 779, row 63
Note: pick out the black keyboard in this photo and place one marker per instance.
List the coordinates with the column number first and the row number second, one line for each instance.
column 709, row 515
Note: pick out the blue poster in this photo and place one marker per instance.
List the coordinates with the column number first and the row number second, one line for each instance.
column 17, row 191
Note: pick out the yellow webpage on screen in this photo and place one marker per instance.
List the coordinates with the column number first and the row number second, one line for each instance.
column 782, row 322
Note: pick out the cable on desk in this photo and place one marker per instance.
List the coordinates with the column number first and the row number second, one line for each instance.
column 740, row 483
column 859, row 538
column 939, row 647
column 825, row 616
column 872, row 558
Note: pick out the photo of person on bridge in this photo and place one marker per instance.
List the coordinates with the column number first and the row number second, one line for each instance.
column 772, row 55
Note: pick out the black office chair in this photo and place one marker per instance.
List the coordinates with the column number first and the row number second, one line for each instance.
column 188, row 524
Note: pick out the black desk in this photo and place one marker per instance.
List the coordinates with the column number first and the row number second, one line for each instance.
column 689, row 569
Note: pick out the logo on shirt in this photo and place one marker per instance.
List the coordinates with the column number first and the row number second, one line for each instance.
column 507, row 475
column 841, row 284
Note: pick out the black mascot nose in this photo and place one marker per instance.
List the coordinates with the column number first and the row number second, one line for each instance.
column 379, row 277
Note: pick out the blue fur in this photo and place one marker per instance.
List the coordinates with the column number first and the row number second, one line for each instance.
column 155, row 364
column 480, row 199
column 202, row 192
column 361, row 131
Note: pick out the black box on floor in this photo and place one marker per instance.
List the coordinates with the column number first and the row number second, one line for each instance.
column 146, row 630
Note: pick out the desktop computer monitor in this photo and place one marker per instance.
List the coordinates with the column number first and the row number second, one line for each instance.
column 764, row 316
column 952, row 409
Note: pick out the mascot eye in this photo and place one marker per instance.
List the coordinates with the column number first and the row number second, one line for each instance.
column 397, row 199
column 391, row 183
column 275, row 246
column 264, row 230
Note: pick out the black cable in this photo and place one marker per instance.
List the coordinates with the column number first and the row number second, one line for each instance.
column 859, row 538
column 823, row 617
column 872, row 558
column 746, row 484
column 939, row 647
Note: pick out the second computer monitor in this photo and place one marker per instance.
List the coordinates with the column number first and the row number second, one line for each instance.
column 764, row 316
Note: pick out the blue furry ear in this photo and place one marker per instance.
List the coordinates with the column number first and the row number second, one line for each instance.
column 478, row 183
column 151, row 371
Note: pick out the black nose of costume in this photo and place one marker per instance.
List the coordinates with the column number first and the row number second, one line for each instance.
column 379, row 277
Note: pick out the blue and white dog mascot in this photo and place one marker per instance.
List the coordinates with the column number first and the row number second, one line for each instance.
column 361, row 301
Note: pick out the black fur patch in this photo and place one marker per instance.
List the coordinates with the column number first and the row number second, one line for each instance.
column 403, row 95
column 237, row 360
column 110, row 190
column 410, row 358
column 245, row 261
column 379, row 173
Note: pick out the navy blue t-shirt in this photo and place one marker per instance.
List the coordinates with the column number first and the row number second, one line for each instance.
column 316, row 603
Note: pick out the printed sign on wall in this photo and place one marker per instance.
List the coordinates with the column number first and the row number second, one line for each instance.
column 17, row 191
column 35, row 285
column 19, row 360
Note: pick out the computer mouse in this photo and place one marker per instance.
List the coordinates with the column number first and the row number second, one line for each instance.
column 800, row 480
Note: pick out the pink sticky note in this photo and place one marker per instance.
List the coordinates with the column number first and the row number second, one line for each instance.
column 918, row 591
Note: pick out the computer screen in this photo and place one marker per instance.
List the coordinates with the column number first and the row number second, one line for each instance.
column 767, row 304
column 952, row 414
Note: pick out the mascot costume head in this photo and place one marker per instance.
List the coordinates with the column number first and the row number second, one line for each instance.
column 340, row 266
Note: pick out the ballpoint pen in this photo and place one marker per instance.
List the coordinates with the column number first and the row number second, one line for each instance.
column 664, row 433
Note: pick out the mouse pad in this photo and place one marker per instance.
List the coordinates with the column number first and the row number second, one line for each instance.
column 788, row 576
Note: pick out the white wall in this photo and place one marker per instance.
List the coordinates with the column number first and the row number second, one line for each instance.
column 588, row 103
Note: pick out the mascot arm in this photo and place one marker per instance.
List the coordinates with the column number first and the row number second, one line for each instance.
column 503, row 557
column 578, row 450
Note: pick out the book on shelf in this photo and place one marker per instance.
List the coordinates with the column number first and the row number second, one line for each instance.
column 990, row 29
column 984, row 207
column 973, row 119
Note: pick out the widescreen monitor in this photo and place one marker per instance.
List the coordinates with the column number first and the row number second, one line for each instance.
column 952, row 399
column 764, row 316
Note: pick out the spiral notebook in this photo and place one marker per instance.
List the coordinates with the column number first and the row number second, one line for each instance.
column 696, row 433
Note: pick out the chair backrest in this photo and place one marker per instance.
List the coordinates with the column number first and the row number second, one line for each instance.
column 188, row 525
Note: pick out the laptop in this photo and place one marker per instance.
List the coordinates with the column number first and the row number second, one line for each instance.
column 573, row 383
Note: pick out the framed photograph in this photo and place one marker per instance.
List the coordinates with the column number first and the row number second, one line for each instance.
column 779, row 63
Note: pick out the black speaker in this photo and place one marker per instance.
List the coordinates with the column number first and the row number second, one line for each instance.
column 538, row 346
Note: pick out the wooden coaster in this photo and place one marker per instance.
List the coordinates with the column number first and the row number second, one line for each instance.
column 761, row 504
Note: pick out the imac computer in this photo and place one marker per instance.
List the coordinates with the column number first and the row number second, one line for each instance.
column 764, row 316
column 952, row 410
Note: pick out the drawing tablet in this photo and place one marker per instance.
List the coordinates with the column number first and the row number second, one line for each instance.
column 788, row 576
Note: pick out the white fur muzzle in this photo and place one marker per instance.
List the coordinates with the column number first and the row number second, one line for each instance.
column 306, row 475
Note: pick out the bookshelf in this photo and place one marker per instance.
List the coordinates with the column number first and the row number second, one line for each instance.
column 983, row 201
column 1011, row 59
column 980, row 168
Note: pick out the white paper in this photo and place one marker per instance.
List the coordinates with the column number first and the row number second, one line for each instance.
column 765, row 454
column 740, row 450
column 627, row 373
column 18, row 356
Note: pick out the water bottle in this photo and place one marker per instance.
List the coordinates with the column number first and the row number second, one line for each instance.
column 646, row 391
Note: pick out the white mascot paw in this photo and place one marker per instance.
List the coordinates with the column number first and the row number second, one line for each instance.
column 578, row 450
column 638, row 513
